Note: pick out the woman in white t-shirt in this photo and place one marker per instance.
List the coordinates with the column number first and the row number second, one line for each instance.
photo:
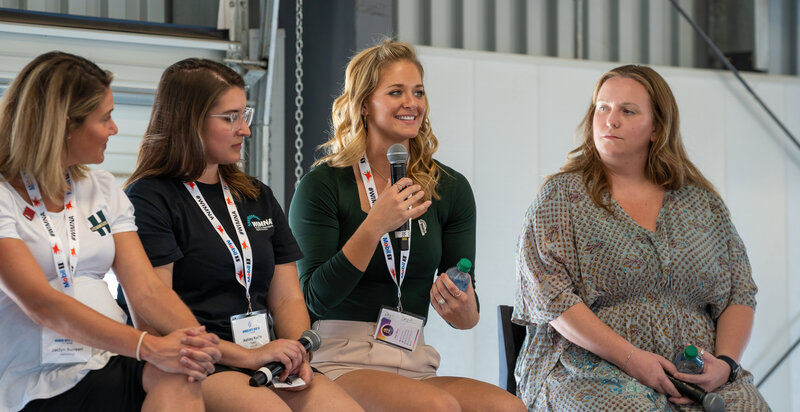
column 65, row 344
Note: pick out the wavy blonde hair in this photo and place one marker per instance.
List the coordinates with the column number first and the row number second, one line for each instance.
column 49, row 99
column 667, row 165
column 173, row 143
column 349, row 141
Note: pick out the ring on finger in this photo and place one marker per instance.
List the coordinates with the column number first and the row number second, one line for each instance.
column 441, row 302
column 702, row 352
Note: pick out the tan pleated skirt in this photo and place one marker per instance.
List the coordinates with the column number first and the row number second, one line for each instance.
column 349, row 345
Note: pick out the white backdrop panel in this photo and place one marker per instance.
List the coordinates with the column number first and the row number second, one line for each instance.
column 453, row 125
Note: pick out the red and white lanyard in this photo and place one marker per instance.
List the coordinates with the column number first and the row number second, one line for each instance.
column 65, row 260
column 388, row 250
column 243, row 268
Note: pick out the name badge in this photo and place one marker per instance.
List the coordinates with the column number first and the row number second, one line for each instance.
column 250, row 330
column 58, row 349
column 401, row 329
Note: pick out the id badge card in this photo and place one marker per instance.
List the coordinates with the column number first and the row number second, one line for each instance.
column 401, row 329
column 58, row 349
column 250, row 330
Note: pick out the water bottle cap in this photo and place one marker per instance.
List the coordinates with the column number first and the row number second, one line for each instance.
column 690, row 352
column 464, row 265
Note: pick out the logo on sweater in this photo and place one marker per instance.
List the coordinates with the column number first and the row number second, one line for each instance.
column 258, row 224
column 99, row 223
column 423, row 226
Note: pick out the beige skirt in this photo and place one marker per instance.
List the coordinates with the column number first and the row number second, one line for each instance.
column 349, row 345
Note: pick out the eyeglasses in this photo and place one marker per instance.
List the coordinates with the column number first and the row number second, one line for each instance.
column 235, row 118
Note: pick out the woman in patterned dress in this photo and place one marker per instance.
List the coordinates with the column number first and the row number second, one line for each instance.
column 626, row 256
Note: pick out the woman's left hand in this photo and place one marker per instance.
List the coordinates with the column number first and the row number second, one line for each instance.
column 715, row 373
column 305, row 373
column 458, row 308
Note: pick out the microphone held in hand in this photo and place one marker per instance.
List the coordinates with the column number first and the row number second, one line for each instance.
column 263, row 376
column 711, row 401
column 398, row 155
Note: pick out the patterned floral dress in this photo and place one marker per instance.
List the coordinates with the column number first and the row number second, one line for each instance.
column 659, row 290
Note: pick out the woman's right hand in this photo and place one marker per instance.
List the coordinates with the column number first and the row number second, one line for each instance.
column 190, row 351
column 290, row 353
column 651, row 370
column 395, row 205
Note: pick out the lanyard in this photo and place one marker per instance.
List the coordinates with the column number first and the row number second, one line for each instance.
column 388, row 250
column 243, row 269
column 65, row 263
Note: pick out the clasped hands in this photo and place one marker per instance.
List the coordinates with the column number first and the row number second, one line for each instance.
column 191, row 351
column 651, row 370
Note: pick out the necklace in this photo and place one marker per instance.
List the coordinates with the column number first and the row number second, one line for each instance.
column 374, row 170
column 380, row 175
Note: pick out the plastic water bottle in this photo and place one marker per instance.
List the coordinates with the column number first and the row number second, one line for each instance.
column 459, row 273
column 687, row 361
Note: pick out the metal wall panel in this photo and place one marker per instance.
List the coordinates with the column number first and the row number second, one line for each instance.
column 627, row 31
column 137, row 62
column 145, row 10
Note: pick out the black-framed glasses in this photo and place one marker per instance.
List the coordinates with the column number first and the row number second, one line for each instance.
column 235, row 118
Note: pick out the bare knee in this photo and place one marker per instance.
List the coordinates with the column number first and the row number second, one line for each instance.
column 155, row 380
column 230, row 391
column 442, row 402
column 167, row 390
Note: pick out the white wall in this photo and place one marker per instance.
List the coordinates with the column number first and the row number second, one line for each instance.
column 505, row 121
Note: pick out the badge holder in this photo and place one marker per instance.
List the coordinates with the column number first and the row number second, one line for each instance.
column 399, row 328
column 251, row 330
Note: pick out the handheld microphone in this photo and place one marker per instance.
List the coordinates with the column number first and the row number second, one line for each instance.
column 397, row 155
column 711, row 401
column 263, row 376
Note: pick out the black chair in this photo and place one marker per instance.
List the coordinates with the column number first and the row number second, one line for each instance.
column 510, row 336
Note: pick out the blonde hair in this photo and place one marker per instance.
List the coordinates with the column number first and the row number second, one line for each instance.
column 667, row 165
column 173, row 143
column 349, row 141
column 50, row 98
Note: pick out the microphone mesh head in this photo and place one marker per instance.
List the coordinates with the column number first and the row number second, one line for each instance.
column 397, row 154
column 712, row 402
column 313, row 337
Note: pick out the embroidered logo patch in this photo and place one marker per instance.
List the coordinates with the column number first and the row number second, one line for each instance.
column 258, row 224
column 28, row 213
column 99, row 223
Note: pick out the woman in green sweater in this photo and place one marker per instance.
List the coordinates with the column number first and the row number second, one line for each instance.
column 367, row 297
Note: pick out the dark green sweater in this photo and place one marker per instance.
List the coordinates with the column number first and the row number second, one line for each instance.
column 324, row 214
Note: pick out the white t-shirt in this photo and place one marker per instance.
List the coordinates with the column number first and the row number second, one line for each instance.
column 98, row 198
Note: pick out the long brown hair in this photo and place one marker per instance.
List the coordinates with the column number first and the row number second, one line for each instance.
column 173, row 143
column 50, row 98
column 349, row 141
column 667, row 165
